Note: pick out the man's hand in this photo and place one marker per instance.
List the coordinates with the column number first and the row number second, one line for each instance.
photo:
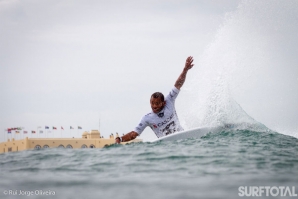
column 117, row 140
column 188, row 63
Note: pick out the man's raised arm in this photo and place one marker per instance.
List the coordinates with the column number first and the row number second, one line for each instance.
column 181, row 79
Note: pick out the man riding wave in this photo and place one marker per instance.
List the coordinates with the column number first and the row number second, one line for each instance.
column 163, row 119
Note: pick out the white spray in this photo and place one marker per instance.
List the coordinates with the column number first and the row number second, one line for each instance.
column 252, row 61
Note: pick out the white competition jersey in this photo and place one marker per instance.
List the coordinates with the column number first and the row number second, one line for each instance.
column 166, row 121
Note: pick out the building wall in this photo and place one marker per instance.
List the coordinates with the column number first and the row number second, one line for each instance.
column 31, row 143
column 13, row 145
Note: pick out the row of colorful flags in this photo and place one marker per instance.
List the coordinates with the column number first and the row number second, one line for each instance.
column 55, row 128
column 15, row 128
column 25, row 132
column 18, row 129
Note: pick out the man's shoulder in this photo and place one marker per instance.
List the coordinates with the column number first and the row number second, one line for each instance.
column 148, row 117
column 148, row 114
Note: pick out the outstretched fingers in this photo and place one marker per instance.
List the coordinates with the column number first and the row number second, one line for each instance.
column 189, row 64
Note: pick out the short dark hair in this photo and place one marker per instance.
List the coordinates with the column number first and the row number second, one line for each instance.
column 158, row 95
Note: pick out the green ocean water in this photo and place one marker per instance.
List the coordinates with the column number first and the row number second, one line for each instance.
column 213, row 166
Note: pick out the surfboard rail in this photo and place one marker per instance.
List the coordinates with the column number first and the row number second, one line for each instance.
column 190, row 133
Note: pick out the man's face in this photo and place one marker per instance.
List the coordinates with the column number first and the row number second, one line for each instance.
column 156, row 104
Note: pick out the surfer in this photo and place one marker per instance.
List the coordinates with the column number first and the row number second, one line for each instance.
column 163, row 119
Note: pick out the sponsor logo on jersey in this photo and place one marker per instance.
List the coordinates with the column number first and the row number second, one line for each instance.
column 165, row 121
column 161, row 114
column 170, row 128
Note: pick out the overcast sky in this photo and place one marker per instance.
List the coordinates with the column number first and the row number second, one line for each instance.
column 73, row 63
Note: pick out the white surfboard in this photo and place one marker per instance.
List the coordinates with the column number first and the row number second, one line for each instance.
column 192, row 133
